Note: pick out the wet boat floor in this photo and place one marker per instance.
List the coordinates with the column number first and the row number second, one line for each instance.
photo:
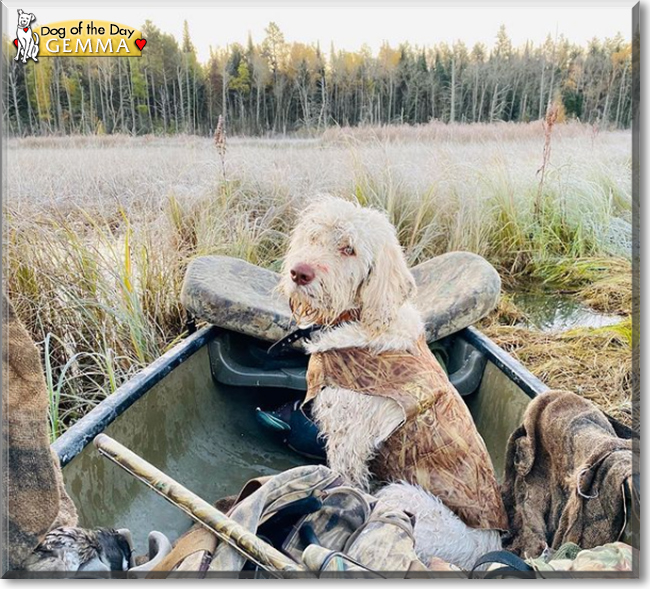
column 204, row 436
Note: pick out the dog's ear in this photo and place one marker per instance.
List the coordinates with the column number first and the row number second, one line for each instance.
column 388, row 286
column 33, row 18
column 20, row 11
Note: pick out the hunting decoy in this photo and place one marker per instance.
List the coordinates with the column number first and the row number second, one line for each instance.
column 78, row 549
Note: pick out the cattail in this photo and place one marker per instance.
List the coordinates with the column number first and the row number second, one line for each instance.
column 220, row 144
column 220, row 137
column 552, row 111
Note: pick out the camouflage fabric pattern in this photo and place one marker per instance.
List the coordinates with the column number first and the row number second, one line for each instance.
column 356, row 532
column 384, row 542
column 437, row 446
column 567, row 477
column 615, row 556
column 347, row 508
column 350, row 522
column 455, row 290
column 263, row 503
column 35, row 499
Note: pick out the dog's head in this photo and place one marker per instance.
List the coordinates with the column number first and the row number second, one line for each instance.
column 25, row 18
column 345, row 258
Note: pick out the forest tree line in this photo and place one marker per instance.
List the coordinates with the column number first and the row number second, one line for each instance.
column 277, row 87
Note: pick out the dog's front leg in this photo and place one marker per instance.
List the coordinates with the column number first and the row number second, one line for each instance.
column 20, row 46
column 354, row 426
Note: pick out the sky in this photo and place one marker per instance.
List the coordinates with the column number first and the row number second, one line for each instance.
column 350, row 28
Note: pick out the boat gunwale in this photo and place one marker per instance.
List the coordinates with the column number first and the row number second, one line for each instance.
column 512, row 368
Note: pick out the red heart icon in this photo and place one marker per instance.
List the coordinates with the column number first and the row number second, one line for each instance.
column 140, row 43
column 26, row 29
column 16, row 42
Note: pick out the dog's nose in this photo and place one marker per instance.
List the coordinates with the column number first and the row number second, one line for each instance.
column 302, row 274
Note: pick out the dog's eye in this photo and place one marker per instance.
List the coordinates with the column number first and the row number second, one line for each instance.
column 348, row 250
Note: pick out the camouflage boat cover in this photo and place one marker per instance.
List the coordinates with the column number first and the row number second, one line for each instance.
column 437, row 446
column 454, row 290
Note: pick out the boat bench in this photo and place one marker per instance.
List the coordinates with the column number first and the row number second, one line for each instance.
column 455, row 290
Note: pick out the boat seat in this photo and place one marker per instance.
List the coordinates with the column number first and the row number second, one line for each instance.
column 455, row 290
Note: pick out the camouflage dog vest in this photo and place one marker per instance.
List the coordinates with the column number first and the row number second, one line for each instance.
column 437, row 445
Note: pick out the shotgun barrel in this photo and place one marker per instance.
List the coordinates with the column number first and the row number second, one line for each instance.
column 225, row 528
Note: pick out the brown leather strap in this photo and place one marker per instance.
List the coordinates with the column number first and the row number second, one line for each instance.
column 197, row 539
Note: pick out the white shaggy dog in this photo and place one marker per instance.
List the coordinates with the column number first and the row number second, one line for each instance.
column 345, row 271
column 438, row 531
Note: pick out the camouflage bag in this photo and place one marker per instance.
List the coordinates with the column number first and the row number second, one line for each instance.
column 353, row 531
column 310, row 516
column 614, row 557
column 567, row 561
column 382, row 547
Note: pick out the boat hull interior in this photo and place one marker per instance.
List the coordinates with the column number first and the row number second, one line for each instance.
column 204, row 434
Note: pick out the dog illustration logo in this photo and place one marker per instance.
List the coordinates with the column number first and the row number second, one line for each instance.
column 26, row 40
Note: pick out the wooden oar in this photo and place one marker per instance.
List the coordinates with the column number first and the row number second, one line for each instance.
column 225, row 528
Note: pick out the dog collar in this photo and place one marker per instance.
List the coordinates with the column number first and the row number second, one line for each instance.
column 281, row 346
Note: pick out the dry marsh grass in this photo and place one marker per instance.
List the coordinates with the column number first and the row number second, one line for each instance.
column 595, row 363
column 98, row 234
column 456, row 133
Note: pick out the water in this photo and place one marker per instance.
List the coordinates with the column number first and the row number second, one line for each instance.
column 556, row 312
